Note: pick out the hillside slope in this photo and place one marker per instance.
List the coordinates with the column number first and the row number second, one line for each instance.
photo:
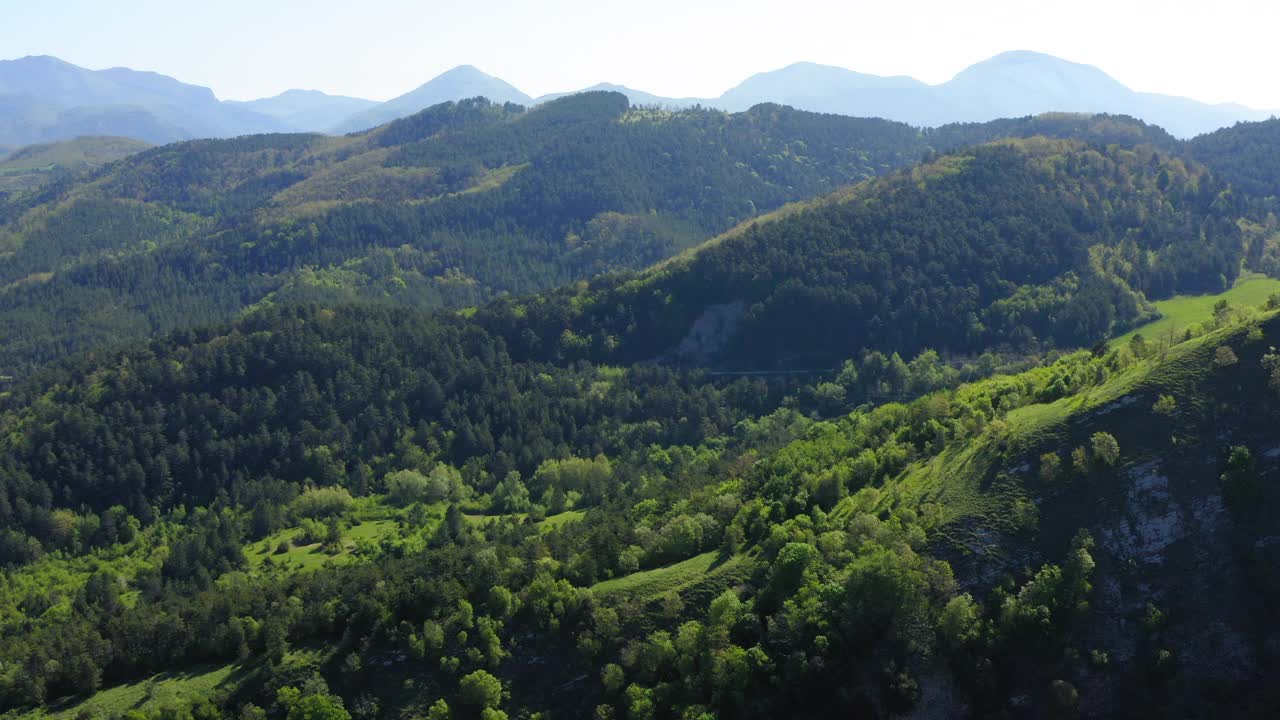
column 1182, row 513
column 731, row 540
column 1247, row 154
column 467, row 202
column 449, row 207
column 28, row 168
column 1017, row 245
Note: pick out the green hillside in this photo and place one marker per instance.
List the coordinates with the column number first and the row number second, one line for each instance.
column 1245, row 154
column 847, row 457
column 1178, row 314
column 454, row 206
column 28, row 168
column 938, row 536
column 1016, row 246
column 450, row 207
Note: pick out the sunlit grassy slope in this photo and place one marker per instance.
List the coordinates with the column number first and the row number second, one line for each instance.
column 1183, row 311
column 151, row 694
column 679, row 577
column 310, row 557
column 975, row 483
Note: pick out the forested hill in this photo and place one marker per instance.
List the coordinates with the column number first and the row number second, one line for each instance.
column 368, row 511
column 1018, row 245
column 36, row 165
column 448, row 208
column 452, row 206
column 376, row 510
column 1247, row 155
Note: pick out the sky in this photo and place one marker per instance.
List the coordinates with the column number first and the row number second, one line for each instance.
column 1220, row 51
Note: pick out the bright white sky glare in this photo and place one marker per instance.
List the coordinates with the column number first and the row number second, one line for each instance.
column 1224, row 50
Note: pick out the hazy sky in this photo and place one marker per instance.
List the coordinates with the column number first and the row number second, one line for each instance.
column 1225, row 50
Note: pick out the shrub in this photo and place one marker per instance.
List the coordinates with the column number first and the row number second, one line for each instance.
column 311, row 532
column 1026, row 516
column 480, row 690
column 322, row 502
column 1080, row 461
column 439, row 711
column 613, row 678
column 1105, row 448
column 1240, row 485
column 959, row 623
column 511, row 495
column 1064, row 693
column 1050, row 467
column 405, row 487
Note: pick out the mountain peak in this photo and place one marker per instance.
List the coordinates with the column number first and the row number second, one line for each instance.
column 302, row 93
column 823, row 88
column 464, row 69
column 459, row 83
column 46, row 60
column 1022, row 82
column 1025, row 56
column 1031, row 60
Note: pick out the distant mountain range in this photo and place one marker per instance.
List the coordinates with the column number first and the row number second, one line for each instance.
column 1012, row 84
column 307, row 110
column 43, row 99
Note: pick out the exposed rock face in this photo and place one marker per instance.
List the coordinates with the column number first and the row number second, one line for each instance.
column 708, row 336
column 1153, row 521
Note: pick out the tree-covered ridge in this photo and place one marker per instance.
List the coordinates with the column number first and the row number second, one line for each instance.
column 1093, row 129
column 1015, row 245
column 305, row 395
column 27, row 168
column 453, row 206
column 367, row 511
column 448, row 208
column 1247, row 155
column 863, row 564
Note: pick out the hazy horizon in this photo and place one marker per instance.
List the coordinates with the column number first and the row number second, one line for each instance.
column 244, row 51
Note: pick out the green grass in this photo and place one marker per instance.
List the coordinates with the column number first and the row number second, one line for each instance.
column 307, row 558
column 968, row 481
column 152, row 694
column 649, row 584
column 564, row 518
column 57, row 578
column 494, row 179
column 70, row 153
column 550, row 523
column 29, row 167
column 1183, row 311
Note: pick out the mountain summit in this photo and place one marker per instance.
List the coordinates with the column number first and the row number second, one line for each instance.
column 464, row 81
